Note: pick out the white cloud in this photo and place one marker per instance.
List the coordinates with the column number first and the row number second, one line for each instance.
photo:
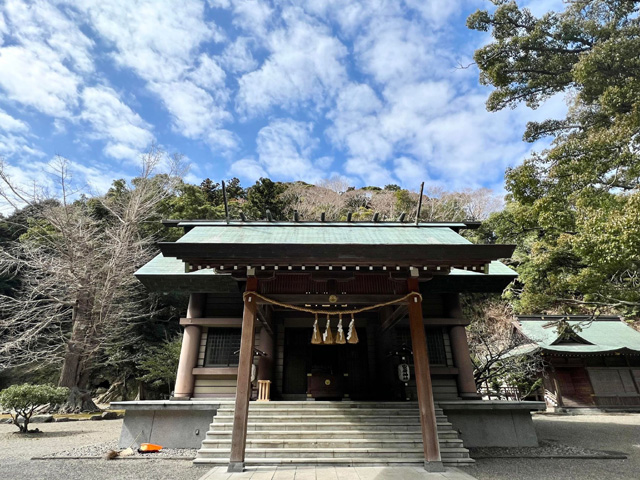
column 195, row 112
column 396, row 49
column 126, row 134
column 237, row 56
column 10, row 124
column 247, row 169
column 209, row 75
column 3, row 28
column 371, row 172
column 18, row 146
column 161, row 42
column 305, row 65
column 285, row 150
column 252, row 15
column 410, row 172
column 435, row 12
column 40, row 23
column 35, row 77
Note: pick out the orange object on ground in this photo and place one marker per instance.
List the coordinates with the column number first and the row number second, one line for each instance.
column 149, row 448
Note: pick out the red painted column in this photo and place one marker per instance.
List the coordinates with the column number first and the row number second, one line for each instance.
column 432, row 460
column 185, row 379
column 462, row 359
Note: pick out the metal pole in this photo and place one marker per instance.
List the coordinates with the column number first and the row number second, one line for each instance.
column 226, row 206
column 419, row 203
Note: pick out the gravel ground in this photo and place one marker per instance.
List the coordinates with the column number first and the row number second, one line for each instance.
column 613, row 432
column 546, row 449
column 98, row 450
column 17, row 450
column 610, row 433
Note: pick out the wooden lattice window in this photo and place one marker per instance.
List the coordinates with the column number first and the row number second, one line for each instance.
column 222, row 345
column 435, row 343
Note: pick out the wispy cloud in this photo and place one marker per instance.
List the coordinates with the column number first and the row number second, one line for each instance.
column 286, row 89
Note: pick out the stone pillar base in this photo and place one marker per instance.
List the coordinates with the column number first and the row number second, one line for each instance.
column 471, row 396
column 433, row 466
column 235, row 467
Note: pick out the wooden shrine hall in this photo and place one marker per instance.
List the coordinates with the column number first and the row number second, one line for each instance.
column 326, row 312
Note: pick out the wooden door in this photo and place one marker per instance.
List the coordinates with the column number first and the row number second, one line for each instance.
column 575, row 386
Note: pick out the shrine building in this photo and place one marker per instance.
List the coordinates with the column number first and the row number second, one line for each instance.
column 327, row 343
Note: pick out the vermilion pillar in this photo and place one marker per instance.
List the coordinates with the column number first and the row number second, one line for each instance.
column 462, row 359
column 185, row 379
column 243, row 390
column 432, row 460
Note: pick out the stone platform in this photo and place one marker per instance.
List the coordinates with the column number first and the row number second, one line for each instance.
column 184, row 424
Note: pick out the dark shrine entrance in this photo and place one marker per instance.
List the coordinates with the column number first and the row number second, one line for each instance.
column 324, row 372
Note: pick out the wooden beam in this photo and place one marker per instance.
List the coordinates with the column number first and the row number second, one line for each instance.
column 313, row 299
column 431, row 445
column 212, row 322
column 243, row 390
column 264, row 317
column 397, row 315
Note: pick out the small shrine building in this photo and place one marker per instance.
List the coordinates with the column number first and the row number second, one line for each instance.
column 332, row 311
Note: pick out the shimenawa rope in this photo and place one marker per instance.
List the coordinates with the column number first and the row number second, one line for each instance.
column 314, row 311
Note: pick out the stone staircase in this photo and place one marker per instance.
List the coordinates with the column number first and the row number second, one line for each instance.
column 330, row 433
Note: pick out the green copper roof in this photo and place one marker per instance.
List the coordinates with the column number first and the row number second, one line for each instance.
column 167, row 274
column 604, row 334
column 495, row 268
column 344, row 234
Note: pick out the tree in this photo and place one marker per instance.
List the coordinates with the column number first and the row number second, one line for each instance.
column 496, row 348
column 77, row 293
column 23, row 399
column 266, row 195
column 160, row 364
column 574, row 208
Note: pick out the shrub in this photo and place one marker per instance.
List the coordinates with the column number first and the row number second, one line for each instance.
column 23, row 399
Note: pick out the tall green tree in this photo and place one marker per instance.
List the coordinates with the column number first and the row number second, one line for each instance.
column 574, row 208
column 266, row 195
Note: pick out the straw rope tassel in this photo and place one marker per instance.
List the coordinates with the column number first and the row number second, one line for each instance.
column 316, row 339
column 352, row 335
column 340, row 340
column 327, row 337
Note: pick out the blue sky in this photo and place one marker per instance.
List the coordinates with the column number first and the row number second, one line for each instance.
column 293, row 90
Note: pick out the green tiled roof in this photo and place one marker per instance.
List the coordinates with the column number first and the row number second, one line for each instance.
column 166, row 274
column 495, row 268
column 604, row 334
column 344, row 234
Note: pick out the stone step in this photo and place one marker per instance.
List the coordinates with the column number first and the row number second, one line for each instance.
column 344, row 462
column 332, row 411
column 387, row 419
column 328, row 434
column 298, row 426
column 377, row 453
column 324, row 404
column 329, row 443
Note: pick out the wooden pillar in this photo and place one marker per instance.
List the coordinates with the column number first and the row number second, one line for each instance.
column 432, row 460
column 243, row 390
column 462, row 359
column 185, row 379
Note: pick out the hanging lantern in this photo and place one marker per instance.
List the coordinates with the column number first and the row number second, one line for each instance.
column 327, row 336
column 316, row 338
column 340, row 340
column 352, row 336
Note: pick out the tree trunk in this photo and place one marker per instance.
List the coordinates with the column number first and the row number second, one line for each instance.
column 75, row 367
column 79, row 401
